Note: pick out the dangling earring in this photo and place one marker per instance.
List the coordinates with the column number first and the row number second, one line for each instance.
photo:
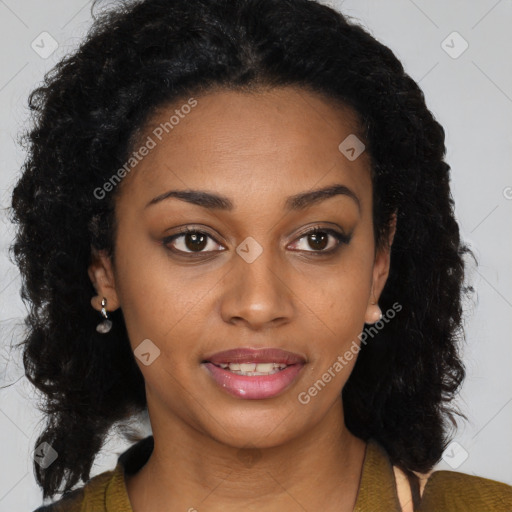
column 376, row 314
column 106, row 325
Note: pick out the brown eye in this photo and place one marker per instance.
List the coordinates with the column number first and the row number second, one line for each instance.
column 190, row 241
column 195, row 241
column 318, row 240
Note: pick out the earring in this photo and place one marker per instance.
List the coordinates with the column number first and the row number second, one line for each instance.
column 106, row 325
column 376, row 314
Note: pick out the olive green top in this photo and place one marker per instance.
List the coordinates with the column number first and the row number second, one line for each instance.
column 445, row 491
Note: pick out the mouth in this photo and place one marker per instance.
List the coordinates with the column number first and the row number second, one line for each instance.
column 252, row 369
column 254, row 374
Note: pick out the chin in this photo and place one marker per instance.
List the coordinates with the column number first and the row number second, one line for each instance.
column 265, row 429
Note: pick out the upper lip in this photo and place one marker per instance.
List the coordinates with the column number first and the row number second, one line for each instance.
column 251, row 355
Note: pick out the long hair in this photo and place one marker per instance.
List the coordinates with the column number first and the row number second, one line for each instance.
column 86, row 116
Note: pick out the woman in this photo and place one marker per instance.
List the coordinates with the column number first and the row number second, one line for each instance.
column 237, row 215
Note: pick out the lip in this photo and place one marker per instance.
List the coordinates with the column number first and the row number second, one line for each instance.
column 258, row 387
column 251, row 355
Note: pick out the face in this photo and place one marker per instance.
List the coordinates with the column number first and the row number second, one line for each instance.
column 248, row 273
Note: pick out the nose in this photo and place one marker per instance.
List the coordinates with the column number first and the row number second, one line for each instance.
column 258, row 293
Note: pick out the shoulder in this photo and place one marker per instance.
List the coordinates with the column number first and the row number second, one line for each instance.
column 82, row 499
column 70, row 502
column 106, row 490
column 450, row 490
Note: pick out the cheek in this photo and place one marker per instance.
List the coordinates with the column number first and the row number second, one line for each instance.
column 154, row 299
column 342, row 291
column 338, row 303
column 340, row 307
column 158, row 306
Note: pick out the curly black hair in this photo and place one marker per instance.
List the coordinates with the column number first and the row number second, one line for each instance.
column 139, row 56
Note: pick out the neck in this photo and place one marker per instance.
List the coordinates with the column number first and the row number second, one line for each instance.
column 188, row 470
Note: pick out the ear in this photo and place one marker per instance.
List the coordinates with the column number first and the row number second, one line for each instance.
column 381, row 269
column 101, row 273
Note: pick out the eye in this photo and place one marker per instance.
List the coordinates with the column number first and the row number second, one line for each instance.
column 318, row 239
column 190, row 241
column 193, row 241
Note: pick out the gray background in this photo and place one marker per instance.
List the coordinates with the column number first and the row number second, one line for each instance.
column 469, row 92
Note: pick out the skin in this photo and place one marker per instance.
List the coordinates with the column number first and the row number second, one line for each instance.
column 256, row 149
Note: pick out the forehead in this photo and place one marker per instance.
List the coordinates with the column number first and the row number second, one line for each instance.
column 284, row 139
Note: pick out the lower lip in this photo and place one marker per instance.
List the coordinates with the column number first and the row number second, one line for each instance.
column 257, row 387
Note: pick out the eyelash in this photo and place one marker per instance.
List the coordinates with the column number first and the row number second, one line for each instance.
column 341, row 238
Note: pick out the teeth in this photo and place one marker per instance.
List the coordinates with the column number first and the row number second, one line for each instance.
column 263, row 367
column 253, row 368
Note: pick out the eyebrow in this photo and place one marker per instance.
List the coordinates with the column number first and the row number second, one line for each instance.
column 297, row 202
